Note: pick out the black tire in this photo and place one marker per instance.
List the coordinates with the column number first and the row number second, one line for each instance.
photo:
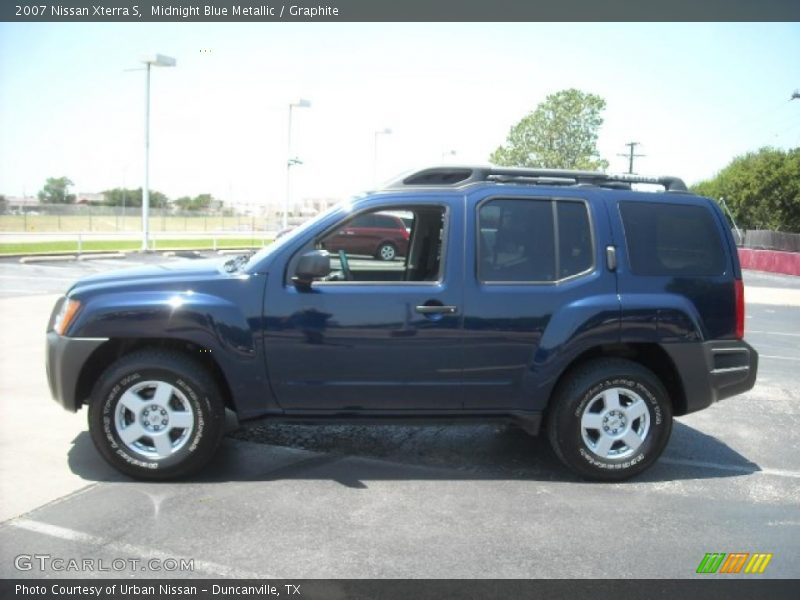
column 192, row 385
column 384, row 250
column 583, row 388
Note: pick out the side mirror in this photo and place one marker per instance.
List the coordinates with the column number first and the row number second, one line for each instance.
column 312, row 265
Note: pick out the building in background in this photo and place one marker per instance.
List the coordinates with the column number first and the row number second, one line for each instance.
column 19, row 204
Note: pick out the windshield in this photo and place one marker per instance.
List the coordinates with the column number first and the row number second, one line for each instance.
column 288, row 237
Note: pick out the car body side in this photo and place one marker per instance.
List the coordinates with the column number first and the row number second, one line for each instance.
column 506, row 350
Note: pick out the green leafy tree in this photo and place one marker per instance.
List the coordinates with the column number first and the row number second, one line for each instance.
column 56, row 191
column 762, row 189
column 202, row 202
column 3, row 204
column 561, row 133
column 133, row 197
column 183, row 203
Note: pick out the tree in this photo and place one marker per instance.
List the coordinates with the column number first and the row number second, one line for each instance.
column 3, row 204
column 200, row 202
column 133, row 197
column 55, row 191
column 762, row 189
column 561, row 133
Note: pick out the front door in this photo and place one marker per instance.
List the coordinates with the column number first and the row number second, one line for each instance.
column 377, row 334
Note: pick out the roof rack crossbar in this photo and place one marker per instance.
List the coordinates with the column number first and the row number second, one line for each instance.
column 456, row 176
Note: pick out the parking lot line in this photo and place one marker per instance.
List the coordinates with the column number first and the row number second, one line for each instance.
column 36, row 277
column 774, row 333
column 146, row 554
column 735, row 468
column 779, row 357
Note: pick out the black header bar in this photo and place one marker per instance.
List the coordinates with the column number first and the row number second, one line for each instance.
column 733, row 588
column 398, row 10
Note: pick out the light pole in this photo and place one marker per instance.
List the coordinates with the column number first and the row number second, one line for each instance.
column 158, row 60
column 290, row 160
column 385, row 131
column 447, row 153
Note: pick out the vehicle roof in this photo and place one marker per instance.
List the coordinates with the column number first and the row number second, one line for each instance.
column 433, row 179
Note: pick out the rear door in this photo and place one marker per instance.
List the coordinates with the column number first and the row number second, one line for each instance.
column 535, row 275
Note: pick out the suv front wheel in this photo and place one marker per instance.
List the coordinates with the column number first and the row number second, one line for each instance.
column 610, row 419
column 156, row 415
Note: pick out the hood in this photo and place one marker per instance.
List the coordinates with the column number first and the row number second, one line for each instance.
column 178, row 271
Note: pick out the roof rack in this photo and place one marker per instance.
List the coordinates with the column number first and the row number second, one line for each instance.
column 457, row 176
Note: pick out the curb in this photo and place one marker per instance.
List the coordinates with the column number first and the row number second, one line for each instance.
column 45, row 258
column 104, row 255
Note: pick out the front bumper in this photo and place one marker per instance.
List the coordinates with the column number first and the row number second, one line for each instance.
column 65, row 359
column 715, row 370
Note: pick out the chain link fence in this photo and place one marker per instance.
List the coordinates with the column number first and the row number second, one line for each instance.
column 61, row 218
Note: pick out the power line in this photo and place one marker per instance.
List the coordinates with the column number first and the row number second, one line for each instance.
column 631, row 155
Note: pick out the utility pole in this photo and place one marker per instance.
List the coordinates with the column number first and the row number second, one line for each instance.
column 631, row 155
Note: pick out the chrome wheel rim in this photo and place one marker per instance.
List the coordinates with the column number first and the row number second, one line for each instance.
column 154, row 419
column 387, row 252
column 615, row 423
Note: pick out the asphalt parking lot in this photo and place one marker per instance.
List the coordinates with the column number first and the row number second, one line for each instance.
column 472, row 501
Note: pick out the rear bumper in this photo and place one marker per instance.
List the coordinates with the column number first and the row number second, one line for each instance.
column 65, row 359
column 715, row 370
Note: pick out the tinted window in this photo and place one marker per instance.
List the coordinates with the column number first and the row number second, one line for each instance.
column 671, row 239
column 363, row 221
column 385, row 222
column 574, row 239
column 517, row 241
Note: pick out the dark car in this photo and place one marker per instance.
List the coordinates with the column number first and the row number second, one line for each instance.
column 376, row 234
column 562, row 301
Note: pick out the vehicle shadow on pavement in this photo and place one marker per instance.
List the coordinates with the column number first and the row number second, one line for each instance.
column 353, row 455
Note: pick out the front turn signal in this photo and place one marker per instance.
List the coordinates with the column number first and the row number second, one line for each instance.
column 66, row 315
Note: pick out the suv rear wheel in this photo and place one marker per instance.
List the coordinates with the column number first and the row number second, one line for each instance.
column 156, row 415
column 386, row 251
column 610, row 419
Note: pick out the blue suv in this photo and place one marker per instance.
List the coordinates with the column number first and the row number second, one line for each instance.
column 562, row 301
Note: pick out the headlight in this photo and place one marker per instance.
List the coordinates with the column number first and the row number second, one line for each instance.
column 65, row 316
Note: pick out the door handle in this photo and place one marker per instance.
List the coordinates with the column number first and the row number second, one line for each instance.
column 611, row 258
column 433, row 309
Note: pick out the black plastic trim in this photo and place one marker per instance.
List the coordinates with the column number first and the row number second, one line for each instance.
column 65, row 359
column 704, row 380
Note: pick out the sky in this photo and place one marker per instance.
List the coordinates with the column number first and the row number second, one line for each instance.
column 72, row 99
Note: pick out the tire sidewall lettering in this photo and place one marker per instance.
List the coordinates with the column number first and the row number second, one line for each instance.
column 109, row 429
column 655, row 414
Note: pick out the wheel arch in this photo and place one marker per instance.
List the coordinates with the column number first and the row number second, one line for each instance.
column 386, row 242
column 651, row 356
column 114, row 349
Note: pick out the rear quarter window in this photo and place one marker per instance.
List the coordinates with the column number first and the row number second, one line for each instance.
column 672, row 239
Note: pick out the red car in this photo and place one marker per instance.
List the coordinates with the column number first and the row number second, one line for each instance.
column 380, row 235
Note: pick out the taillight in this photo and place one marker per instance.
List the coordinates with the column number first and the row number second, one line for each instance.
column 739, row 288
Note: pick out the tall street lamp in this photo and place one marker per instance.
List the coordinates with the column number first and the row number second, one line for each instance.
column 291, row 160
column 447, row 153
column 156, row 60
column 385, row 131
